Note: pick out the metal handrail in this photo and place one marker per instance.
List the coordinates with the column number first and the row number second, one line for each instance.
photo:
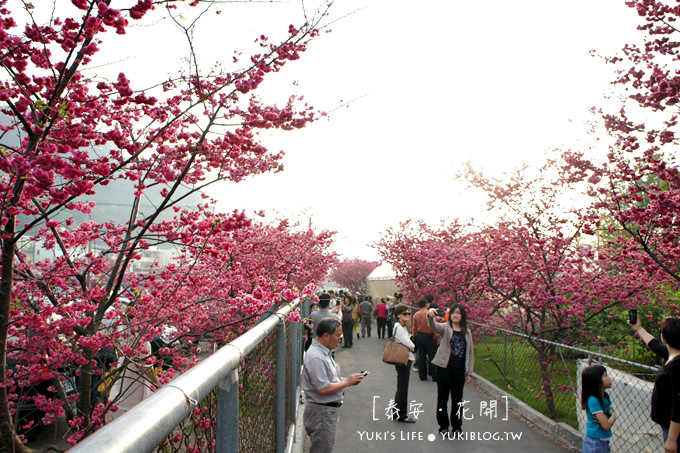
column 149, row 423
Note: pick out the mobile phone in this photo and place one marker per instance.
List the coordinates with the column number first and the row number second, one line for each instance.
column 632, row 315
column 441, row 312
column 365, row 372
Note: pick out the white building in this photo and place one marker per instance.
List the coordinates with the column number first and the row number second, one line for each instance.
column 152, row 259
column 381, row 282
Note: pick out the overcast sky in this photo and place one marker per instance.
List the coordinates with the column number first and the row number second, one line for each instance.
column 432, row 84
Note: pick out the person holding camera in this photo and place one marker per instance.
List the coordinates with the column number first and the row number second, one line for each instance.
column 454, row 361
column 666, row 391
column 324, row 387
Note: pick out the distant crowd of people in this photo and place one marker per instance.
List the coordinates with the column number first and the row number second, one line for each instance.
column 355, row 312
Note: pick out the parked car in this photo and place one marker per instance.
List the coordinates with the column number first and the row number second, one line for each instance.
column 28, row 418
column 167, row 339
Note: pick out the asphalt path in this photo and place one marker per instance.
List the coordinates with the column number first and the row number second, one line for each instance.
column 364, row 425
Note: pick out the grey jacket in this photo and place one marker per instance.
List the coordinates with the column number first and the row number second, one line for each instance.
column 441, row 358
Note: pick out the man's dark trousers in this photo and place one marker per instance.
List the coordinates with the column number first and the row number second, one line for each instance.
column 426, row 348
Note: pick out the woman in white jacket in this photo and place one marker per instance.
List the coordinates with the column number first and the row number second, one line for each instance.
column 401, row 335
column 454, row 361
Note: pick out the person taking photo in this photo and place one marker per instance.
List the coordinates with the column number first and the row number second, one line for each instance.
column 454, row 361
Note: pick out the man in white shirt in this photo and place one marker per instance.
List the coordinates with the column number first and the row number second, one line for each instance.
column 323, row 312
column 324, row 387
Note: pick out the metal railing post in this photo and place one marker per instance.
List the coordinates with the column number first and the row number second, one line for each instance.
column 295, row 348
column 226, row 429
column 281, row 388
column 304, row 313
column 304, row 308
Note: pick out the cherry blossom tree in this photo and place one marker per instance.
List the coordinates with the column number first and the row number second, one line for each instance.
column 636, row 188
column 238, row 274
column 352, row 273
column 531, row 272
column 445, row 262
column 550, row 269
column 66, row 134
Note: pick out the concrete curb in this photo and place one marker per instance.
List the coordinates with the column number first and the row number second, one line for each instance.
column 299, row 442
column 557, row 430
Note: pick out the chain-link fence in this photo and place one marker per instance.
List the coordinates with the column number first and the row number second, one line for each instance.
column 251, row 407
column 257, row 399
column 546, row 375
column 256, row 404
column 256, row 408
column 197, row 432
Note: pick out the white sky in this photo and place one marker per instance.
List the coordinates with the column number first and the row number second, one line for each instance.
column 436, row 83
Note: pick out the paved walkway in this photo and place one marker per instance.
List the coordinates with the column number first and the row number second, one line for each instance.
column 364, row 426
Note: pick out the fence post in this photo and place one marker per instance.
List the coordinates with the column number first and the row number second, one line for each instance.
column 226, row 435
column 281, row 388
column 304, row 313
column 295, row 348
column 512, row 363
column 505, row 354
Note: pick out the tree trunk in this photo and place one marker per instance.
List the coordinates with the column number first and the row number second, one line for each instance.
column 9, row 438
column 84, row 407
column 546, row 375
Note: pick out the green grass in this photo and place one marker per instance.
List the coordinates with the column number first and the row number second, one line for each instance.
column 515, row 369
